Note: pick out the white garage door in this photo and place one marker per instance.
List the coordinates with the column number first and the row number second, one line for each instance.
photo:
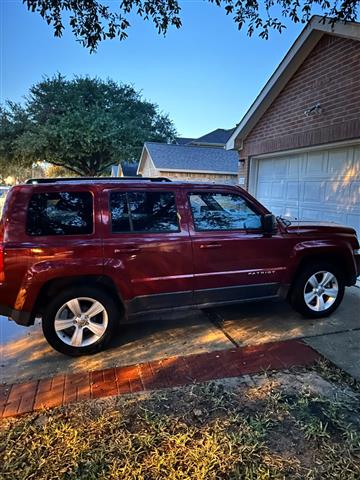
column 315, row 185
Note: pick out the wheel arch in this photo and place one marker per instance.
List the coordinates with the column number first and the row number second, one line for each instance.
column 340, row 260
column 51, row 287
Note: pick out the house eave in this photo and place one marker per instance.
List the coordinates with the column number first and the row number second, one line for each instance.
column 298, row 52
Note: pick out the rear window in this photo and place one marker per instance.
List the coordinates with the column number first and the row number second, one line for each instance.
column 143, row 212
column 60, row 213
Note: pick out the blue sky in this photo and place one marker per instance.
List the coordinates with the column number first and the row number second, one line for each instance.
column 205, row 75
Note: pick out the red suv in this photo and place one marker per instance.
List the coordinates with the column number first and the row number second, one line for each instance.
column 89, row 254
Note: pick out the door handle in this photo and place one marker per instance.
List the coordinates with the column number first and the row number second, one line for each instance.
column 211, row 245
column 126, row 249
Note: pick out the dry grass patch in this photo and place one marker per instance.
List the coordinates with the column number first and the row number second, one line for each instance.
column 271, row 427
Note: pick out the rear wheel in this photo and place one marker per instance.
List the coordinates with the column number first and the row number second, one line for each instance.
column 80, row 321
column 318, row 290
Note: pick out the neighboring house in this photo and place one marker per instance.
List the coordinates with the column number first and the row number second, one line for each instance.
column 204, row 159
column 216, row 138
column 128, row 169
column 124, row 170
column 189, row 163
column 299, row 143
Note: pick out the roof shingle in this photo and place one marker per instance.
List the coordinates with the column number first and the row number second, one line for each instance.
column 192, row 158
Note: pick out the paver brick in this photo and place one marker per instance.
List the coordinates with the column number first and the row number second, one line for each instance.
column 170, row 372
column 19, row 390
column 49, row 399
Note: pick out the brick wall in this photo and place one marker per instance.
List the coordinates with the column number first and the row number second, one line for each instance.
column 330, row 75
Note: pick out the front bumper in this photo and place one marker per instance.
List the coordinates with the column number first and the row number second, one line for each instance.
column 357, row 263
column 20, row 317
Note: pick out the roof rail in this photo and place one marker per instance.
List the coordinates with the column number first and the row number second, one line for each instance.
column 35, row 181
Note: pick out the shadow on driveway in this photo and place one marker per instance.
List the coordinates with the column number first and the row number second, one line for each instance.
column 25, row 354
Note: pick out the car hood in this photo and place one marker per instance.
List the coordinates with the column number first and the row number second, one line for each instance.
column 305, row 226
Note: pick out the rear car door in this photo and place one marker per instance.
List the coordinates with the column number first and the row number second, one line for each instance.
column 233, row 259
column 147, row 248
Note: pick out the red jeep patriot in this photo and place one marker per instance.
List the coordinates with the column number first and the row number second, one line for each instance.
column 87, row 254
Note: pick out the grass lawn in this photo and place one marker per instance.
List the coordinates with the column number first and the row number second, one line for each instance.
column 300, row 424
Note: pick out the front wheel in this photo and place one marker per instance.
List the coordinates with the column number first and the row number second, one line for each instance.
column 80, row 321
column 318, row 290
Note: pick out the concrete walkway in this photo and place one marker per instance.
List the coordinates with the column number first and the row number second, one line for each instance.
column 342, row 349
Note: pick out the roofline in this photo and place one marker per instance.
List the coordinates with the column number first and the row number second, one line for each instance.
column 190, row 145
column 204, row 144
column 297, row 53
column 141, row 159
column 196, row 171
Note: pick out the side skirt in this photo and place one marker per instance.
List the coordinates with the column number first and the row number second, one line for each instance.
column 141, row 307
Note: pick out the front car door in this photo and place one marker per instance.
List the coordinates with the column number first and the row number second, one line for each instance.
column 233, row 259
column 147, row 247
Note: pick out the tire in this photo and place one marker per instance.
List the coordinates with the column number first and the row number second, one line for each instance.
column 311, row 300
column 70, row 330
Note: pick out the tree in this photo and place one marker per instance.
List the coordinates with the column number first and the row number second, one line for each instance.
column 54, row 171
column 86, row 124
column 92, row 21
column 13, row 123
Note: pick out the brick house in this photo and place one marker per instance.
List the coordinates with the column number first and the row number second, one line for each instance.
column 299, row 143
column 204, row 159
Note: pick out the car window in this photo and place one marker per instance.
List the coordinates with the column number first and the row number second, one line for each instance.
column 222, row 211
column 60, row 213
column 143, row 212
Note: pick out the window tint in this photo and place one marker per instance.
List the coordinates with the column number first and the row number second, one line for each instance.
column 60, row 213
column 143, row 212
column 222, row 211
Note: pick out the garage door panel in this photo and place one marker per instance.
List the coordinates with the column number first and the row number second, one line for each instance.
column 355, row 194
column 315, row 163
column 295, row 166
column 277, row 190
column 340, row 161
column 321, row 185
column 266, row 169
column 293, row 190
column 313, row 191
column 337, row 193
column 264, row 190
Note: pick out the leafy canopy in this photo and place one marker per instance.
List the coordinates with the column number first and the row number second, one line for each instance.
column 92, row 21
column 85, row 124
column 13, row 124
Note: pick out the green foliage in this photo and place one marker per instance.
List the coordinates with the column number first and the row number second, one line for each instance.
column 54, row 171
column 13, row 123
column 86, row 124
column 92, row 21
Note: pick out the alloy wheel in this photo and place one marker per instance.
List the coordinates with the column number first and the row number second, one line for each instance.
column 321, row 291
column 80, row 322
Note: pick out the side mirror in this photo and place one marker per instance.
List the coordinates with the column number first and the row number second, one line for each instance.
column 269, row 223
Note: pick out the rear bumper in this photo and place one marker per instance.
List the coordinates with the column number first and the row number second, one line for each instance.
column 20, row 317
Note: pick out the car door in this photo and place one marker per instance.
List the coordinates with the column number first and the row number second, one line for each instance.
column 147, row 247
column 233, row 259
